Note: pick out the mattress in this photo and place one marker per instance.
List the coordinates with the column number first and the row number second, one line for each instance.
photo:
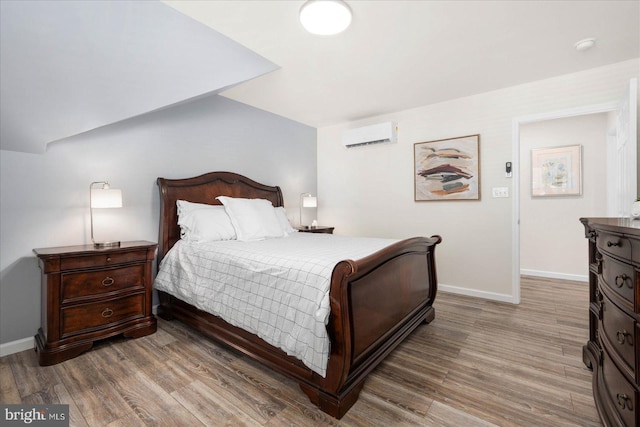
column 277, row 289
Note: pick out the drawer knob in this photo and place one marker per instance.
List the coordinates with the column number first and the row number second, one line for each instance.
column 107, row 312
column 108, row 259
column 622, row 279
column 622, row 336
column 609, row 243
column 624, row 402
column 108, row 281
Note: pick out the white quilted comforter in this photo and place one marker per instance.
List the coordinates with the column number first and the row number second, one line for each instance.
column 277, row 289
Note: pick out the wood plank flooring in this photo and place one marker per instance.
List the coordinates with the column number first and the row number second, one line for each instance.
column 479, row 363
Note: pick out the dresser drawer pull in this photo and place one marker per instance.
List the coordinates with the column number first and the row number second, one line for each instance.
column 622, row 336
column 618, row 243
column 108, row 281
column 624, row 402
column 107, row 312
column 108, row 259
column 622, row 279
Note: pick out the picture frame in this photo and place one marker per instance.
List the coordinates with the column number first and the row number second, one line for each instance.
column 447, row 169
column 556, row 171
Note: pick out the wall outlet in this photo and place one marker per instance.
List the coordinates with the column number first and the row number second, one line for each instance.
column 500, row 191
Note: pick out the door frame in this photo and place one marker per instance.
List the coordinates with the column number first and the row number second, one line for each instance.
column 515, row 150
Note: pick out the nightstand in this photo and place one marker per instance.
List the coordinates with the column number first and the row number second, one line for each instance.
column 89, row 294
column 316, row 229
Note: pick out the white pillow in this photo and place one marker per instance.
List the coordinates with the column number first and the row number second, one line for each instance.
column 185, row 207
column 204, row 223
column 253, row 219
column 284, row 221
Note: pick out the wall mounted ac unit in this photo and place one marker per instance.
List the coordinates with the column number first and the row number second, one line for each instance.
column 375, row 134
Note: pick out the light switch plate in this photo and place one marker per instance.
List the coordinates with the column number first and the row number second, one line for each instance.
column 500, row 192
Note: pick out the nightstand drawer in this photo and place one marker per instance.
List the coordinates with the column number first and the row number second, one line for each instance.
column 102, row 259
column 82, row 318
column 76, row 285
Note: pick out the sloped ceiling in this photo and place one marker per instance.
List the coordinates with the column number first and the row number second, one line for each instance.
column 67, row 67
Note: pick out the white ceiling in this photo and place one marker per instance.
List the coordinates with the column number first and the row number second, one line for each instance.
column 68, row 67
column 402, row 54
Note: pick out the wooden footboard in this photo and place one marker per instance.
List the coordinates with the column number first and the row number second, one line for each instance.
column 375, row 303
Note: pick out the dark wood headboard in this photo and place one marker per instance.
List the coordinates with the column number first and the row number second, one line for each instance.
column 204, row 189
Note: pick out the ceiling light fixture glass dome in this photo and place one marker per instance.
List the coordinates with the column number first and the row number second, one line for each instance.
column 325, row 17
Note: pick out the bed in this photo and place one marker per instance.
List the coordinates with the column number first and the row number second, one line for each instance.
column 375, row 302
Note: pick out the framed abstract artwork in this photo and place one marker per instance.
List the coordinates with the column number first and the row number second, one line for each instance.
column 556, row 171
column 447, row 169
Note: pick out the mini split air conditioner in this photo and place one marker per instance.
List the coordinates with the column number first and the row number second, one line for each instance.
column 375, row 134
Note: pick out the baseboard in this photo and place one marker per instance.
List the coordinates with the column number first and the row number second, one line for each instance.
column 16, row 346
column 554, row 275
column 493, row 296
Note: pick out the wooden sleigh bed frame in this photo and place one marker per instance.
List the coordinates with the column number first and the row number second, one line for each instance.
column 376, row 302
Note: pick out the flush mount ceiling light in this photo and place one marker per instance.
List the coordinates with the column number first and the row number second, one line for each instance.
column 585, row 44
column 325, row 17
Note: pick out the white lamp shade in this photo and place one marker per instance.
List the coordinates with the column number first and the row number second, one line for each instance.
column 309, row 202
column 106, row 198
column 325, row 17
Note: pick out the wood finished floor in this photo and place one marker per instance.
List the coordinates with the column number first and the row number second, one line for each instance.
column 479, row 363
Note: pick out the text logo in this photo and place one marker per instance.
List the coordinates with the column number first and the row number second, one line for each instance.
column 35, row 415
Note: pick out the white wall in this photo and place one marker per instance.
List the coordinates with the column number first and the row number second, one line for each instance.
column 369, row 191
column 44, row 198
column 548, row 226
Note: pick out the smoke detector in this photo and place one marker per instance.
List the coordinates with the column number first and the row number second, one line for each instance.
column 585, row 44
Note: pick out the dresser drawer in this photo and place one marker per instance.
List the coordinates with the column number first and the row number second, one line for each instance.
column 623, row 395
column 84, row 317
column 619, row 330
column 82, row 284
column 102, row 259
column 614, row 245
column 635, row 251
column 620, row 278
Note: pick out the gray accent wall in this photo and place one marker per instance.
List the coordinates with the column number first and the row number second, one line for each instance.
column 44, row 198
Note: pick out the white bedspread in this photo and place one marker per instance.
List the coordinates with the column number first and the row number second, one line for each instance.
column 277, row 289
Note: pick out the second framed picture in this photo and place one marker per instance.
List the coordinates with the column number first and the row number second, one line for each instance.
column 556, row 171
column 447, row 169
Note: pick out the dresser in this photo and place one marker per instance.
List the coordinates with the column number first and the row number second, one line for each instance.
column 612, row 351
column 90, row 294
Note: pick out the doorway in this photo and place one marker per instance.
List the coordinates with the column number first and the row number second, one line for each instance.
column 623, row 178
column 518, row 122
column 551, row 243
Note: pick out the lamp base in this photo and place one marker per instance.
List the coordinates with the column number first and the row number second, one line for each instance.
column 99, row 245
